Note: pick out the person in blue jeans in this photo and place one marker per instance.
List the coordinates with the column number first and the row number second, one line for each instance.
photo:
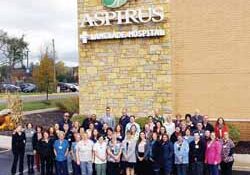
column 76, row 168
column 61, row 149
column 181, row 152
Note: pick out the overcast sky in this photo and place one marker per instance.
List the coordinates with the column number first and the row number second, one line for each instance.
column 41, row 21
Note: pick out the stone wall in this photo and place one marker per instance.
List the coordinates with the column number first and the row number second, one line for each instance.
column 132, row 73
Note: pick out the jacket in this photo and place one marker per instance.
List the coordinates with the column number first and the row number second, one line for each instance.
column 18, row 143
column 197, row 151
column 219, row 132
column 181, row 152
column 167, row 156
column 213, row 152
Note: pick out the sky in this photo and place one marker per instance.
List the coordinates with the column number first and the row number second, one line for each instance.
column 41, row 21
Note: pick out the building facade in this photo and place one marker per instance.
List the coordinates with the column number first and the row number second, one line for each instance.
column 202, row 61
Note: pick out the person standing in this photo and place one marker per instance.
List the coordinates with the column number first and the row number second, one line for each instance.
column 157, row 117
column 131, row 123
column 197, row 118
column 181, row 151
column 206, row 124
column 65, row 120
column 76, row 168
column 169, row 125
column 37, row 136
column 227, row 155
column 114, row 152
column 154, row 155
column 61, row 149
column 100, row 156
column 213, row 155
column 124, row 119
column 167, row 154
column 29, row 150
column 108, row 118
column 220, row 128
column 84, row 154
column 129, row 156
column 197, row 155
column 45, row 149
column 18, row 149
column 141, row 154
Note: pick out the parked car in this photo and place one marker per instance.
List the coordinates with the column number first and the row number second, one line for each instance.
column 29, row 88
column 10, row 88
column 68, row 87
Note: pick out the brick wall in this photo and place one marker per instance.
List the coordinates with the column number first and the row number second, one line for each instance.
column 211, row 56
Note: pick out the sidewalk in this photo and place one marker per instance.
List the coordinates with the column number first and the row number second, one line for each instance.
column 5, row 142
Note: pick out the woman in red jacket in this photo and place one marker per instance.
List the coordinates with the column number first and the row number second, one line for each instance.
column 220, row 128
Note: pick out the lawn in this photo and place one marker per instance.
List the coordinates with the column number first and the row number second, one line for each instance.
column 30, row 106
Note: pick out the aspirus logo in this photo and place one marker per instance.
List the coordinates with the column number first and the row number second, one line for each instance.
column 114, row 3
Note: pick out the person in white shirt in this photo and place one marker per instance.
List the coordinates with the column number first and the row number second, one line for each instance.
column 169, row 125
column 131, row 123
column 100, row 156
column 84, row 154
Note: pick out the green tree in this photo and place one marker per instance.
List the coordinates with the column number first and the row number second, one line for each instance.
column 12, row 51
column 43, row 75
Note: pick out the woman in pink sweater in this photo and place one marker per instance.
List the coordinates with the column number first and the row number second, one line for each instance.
column 213, row 155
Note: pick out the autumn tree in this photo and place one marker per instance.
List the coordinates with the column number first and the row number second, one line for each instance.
column 43, row 74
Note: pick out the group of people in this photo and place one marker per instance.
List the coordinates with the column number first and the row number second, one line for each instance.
column 183, row 146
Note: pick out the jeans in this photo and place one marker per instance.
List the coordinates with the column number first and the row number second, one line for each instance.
column 181, row 169
column 197, row 168
column 101, row 169
column 76, row 168
column 86, row 168
column 30, row 162
column 226, row 168
column 213, row 169
column 69, row 162
column 17, row 155
column 62, row 168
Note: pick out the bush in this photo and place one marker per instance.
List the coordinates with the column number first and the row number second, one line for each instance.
column 234, row 133
column 70, row 105
column 141, row 121
column 78, row 118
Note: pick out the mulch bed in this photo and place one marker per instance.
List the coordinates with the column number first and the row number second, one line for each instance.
column 45, row 120
column 243, row 147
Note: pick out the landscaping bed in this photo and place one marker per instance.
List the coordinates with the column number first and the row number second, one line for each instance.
column 45, row 119
column 243, row 147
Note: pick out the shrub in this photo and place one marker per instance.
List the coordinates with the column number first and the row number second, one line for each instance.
column 141, row 121
column 234, row 133
column 70, row 105
column 78, row 118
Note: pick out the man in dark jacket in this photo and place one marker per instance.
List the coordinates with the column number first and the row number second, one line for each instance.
column 207, row 125
column 124, row 119
column 18, row 149
column 65, row 120
column 196, row 155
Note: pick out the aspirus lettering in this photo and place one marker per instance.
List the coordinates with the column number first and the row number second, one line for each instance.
column 123, row 17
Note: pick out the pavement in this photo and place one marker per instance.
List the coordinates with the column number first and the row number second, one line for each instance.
column 41, row 97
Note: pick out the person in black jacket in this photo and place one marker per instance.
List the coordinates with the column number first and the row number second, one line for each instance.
column 154, row 154
column 45, row 149
column 196, row 155
column 207, row 125
column 37, row 136
column 167, row 155
column 18, row 149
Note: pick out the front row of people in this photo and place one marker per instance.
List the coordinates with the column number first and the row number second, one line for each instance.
column 143, row 154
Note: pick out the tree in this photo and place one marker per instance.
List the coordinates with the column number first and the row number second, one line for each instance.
column 12, row 51
column 64, row 73
column 43, row 74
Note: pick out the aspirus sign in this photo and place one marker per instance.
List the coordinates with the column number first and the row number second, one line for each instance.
column 121, row 17
column 114, row 3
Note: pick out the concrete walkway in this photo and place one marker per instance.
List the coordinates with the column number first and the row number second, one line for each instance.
column 40, row 111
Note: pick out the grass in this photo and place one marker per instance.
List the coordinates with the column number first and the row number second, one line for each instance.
column 30, row 106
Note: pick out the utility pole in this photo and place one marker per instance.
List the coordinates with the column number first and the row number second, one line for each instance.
column 27, row 66
column 54, row 59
